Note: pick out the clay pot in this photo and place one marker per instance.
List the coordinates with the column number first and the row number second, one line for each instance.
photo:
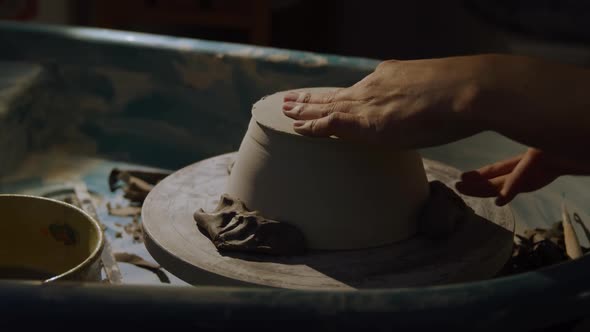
column 341, row 195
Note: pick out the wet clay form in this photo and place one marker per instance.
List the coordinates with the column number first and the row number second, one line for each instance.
column 231, row 227
column 341, row 195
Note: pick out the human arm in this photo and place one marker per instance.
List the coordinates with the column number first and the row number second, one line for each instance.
column 422, row 103
column 414, row 104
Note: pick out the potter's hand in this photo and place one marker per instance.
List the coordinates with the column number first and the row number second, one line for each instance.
column 405, row 103
column 430, row 102
column 527, row 172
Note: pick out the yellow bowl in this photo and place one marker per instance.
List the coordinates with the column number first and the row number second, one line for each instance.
column 48, row 240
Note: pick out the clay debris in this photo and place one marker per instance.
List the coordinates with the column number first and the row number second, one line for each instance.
column 537, row 248
column 123, row 211
column 232, row 227
column 135, row 183
column 135, row 230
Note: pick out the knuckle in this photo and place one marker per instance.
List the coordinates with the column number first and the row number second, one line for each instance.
column 313, row 126
column 306, row 97
column 381, row 65
column 299, row 110
column 333, row 119
column 386, row 63
column 371, row 82
column 366, row 88
column 337, row 107
column 328, row 97
column 329, row 109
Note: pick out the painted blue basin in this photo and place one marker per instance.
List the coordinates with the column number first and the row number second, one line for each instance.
column 75, row 102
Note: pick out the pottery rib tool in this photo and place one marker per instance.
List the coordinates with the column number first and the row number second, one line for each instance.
column 125, row 257
column 578, row 220
column 572, row 246
column 108, row 260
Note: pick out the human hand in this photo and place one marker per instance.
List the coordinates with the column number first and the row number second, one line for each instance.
column 524, row 173
column 403, row 103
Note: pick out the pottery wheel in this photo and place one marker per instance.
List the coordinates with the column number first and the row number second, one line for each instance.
column 477, row 249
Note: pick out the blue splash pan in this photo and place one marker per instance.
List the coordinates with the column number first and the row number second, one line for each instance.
column 77, row 102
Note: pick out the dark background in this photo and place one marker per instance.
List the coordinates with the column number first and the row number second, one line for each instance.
column 557, row 29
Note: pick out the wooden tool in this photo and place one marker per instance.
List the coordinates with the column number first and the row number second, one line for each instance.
column 109, row 263
column 572, row 246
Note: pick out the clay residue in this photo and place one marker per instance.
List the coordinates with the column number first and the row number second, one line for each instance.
column 538, row 248
column 137, row 184
column 123, row 211
column 135, row 230
column 232, row 227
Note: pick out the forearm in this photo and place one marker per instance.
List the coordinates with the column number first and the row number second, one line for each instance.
column 538, row 103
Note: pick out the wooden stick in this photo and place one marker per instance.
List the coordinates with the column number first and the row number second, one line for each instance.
column 572, row 246
column 109, row 263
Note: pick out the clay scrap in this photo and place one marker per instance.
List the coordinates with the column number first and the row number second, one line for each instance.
column 136, row 183
column 537, row 248
column 135, row 230
column 123, row 211
column 232, row 227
